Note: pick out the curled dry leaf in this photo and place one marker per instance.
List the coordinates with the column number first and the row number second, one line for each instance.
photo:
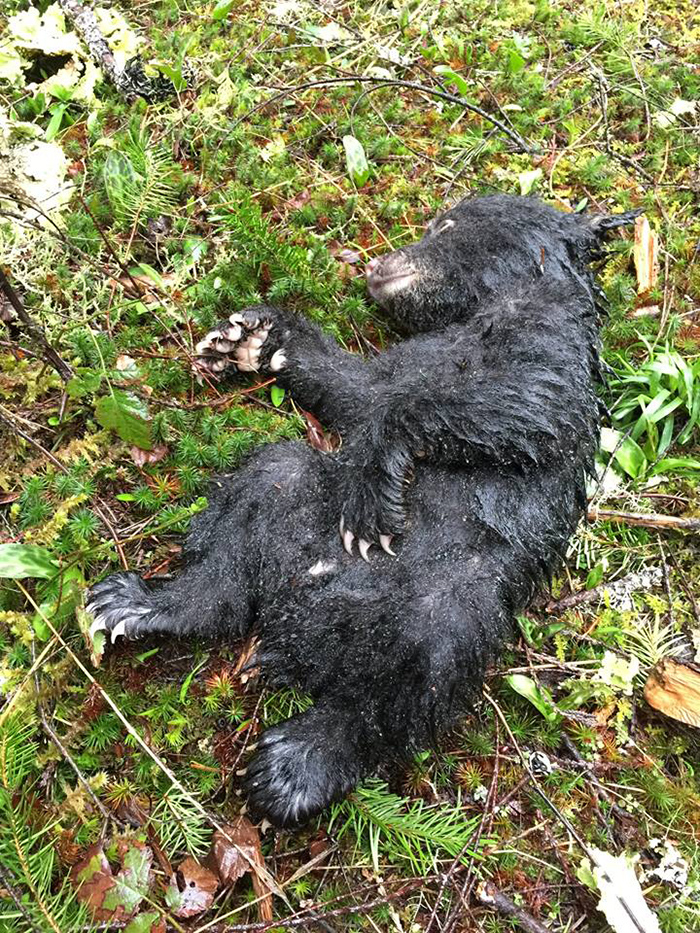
column 142, row 457
column 191, row 889
column 317, row 437
column 674, row 689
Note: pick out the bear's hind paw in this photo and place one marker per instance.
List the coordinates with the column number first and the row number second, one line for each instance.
column 299, row 768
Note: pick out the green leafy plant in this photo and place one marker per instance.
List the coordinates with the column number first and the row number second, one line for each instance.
column 141, row 179
column 410, row 831
column 650, row 401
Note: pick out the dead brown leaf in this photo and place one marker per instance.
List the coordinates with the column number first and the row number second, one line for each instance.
column 674, row 689
column 233, row 849
column 93, row 880
column 142, row 457
column 317, row 437
column 191, row 890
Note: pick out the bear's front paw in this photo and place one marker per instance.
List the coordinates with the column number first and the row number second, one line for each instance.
column 371, row 512
column 121, row 605
column 244, row 342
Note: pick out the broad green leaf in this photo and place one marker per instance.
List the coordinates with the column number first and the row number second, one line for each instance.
column 118, row 175
column 595, row 576
column 126, row 415
column 222, row 9
column 528, row 180
column 173, row 74
column 55, row 122
column 151, row 274
column 148, row 922
column 85, row 382
column 516, row 62
column 277, row 395
column 539, row 698
column 358, row 167
column 671, row 464
column 456, row 79
column 26, row 560
column 630, row 457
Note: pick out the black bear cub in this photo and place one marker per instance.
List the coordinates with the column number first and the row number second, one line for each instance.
column 383, row 579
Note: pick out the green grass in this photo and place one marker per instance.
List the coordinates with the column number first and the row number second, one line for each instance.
column 203, row 204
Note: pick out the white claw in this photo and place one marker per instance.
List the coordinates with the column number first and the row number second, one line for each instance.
column 277, row 361
column 342, row 525
column 202, row 345
column 233, row 333
column 364, row 547
column 385, row 541
column 119, row 629
column 222, row 346
column 236, row 318
column 348, row 538
column 99, row 625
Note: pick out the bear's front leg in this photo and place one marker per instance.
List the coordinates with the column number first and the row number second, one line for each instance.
column 337, row 386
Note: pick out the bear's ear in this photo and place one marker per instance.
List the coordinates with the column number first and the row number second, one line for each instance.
column 602, row 223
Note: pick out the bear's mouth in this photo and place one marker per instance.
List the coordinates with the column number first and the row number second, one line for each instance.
column 383, row 287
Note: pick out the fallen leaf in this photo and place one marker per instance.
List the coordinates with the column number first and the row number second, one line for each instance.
column 93, row 879
column 646, row 255
column 673, row 688
column 142, row 457
column 191, row 889
column 233, row 849
column 316, row 436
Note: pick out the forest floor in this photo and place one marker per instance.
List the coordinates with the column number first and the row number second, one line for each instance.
column 240, row 187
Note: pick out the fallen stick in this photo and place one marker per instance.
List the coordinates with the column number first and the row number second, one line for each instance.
column 490, row 896
column 50, row 355
column 644, row 519
column 130, row 80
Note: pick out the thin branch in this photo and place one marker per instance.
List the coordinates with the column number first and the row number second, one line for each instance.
column 644, row 519
column 491, row 896
column 16, row 896
column 51, row 356
column 66, row 755
column 391, row 82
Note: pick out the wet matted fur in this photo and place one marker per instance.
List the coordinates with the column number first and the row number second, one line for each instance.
column 465, row 450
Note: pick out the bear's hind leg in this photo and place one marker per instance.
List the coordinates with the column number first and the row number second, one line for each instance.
column 308, row 762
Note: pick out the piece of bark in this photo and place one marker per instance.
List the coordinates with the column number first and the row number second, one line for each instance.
column 673, row 689
column 131, row 81
column 646, row 255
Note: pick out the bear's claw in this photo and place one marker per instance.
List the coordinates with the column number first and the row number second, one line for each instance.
column 238, row 342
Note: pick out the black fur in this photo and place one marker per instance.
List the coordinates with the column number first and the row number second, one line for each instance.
column 473, row 437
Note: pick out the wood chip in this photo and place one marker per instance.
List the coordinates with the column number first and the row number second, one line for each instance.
column 646, row 255
column 674, row 689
